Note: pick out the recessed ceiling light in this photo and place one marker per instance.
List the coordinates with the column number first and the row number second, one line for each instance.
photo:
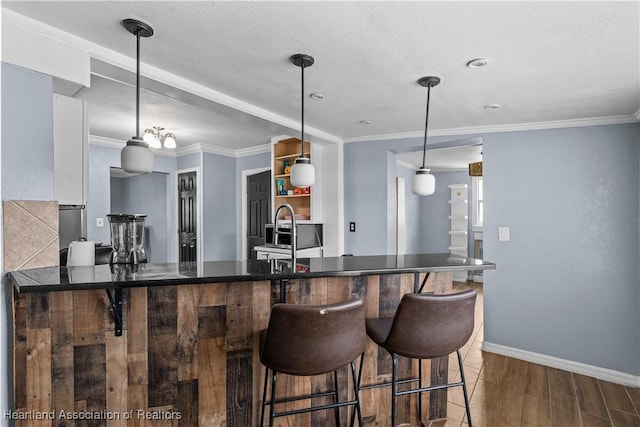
column 492, row 106
column 317, row 95
column 478, row 63
column 365, row 122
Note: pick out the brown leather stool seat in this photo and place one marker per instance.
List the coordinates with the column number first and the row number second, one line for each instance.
column 307, row 340
column 425, row 326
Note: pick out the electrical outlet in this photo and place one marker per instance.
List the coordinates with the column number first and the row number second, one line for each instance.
column 503, row 234
column 352, row 227
column 99, row 222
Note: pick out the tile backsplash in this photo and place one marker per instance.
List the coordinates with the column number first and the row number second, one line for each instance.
column 30, row 231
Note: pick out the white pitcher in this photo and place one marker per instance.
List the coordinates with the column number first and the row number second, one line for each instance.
column 81, row 253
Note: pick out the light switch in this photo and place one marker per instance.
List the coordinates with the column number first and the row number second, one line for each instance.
column 503, row 234
column 99, row 222
column 352, row 227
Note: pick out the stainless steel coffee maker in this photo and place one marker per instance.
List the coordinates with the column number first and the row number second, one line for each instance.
column 127, row 238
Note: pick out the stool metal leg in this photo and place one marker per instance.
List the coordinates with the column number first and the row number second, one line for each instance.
column 420, row 394
column 273, row 399
column 394, row 388
column 464, row 389
column 336, row 410
column 356, row 391
column 264, row 395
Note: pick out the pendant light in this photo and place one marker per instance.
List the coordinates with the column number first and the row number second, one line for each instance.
column 424, row 183
column 136, row 157
column 302, row 172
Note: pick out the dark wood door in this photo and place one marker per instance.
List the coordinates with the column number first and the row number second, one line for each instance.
column 258, row 209
column 187, row 217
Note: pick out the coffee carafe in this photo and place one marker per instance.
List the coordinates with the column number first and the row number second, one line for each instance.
column 127, row 238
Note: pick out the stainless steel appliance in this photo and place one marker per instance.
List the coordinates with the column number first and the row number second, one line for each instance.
column 71, row 224
column 127, row 238
column 307, row 235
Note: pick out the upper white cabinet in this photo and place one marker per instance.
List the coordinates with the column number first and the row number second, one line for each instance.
column 70, row 142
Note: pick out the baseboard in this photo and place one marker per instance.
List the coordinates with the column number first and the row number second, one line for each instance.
column 566, row 365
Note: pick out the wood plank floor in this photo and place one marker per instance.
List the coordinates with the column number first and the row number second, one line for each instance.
column 509, row 392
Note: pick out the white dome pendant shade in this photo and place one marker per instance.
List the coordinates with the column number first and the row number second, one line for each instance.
column 136, row 157
column 303, row 173
column 424, row 184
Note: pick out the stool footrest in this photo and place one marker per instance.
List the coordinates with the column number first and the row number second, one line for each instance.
column 430, row 388
column 315, row 408
column 308, row 396
column 405, row 381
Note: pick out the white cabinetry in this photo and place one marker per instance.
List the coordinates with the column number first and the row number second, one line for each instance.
column 265, row 252
column 70, row 148
column 459, row 225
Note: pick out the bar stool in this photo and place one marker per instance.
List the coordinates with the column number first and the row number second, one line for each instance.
column 307, row 340
column 425, row 326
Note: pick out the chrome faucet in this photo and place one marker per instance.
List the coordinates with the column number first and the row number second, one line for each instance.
column 292, row 232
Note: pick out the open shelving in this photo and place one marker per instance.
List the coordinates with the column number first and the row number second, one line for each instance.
column 285, row 153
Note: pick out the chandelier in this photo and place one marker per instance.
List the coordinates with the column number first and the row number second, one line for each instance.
column 157, row 140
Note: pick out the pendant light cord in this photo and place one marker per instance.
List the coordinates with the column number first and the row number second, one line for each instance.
column 426, row 124
column 138, row 84
column 302, row 128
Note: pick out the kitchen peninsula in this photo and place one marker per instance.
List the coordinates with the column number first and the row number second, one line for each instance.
column 124, row 344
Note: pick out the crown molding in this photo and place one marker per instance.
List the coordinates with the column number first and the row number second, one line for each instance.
column 520, row 127
column 212, row 149
column 189, row 149
column 185, row 151
column 252, row 151
column 406, row 164
column 106, row 142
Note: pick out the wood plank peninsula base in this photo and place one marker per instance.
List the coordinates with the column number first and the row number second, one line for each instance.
column 189, row 353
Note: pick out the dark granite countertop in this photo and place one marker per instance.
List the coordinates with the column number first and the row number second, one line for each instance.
column 124, row 276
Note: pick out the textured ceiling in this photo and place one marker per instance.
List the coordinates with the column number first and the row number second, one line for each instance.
column 548, row 61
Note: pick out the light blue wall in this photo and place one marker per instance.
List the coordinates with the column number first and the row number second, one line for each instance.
column 566, row 284
column 190, row 161
column 219, row 200
column 257, row 161
column 27, row 135
column 117, row 188
column 145, row 194
column 27, row 174
column 101, row 159
column 365, row 194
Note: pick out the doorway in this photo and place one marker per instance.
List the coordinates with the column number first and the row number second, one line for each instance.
column 258, row 210
column 187, row 217
column 144, row 194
